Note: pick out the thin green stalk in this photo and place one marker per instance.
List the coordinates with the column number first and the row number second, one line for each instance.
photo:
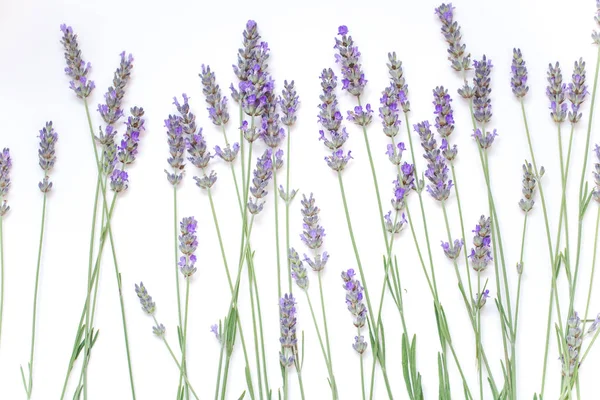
column 255, row 330
column 185, row 325
column 237, row 189
column 287, row 207
column 176, row 253
column 219, row 369
column 324, row 317
column 478, row 339
column 225, row 373
column 362, row 372
column 299, row 370
column 276, row 200
column 520, row 277
column 260, row 323
column 589, row 296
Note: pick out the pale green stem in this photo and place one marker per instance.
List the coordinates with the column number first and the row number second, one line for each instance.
column 589, row 296
column 287, row 208
column 219, row 369
column 362, row 372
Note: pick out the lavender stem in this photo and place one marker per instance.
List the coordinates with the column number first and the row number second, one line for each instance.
column 287, row 207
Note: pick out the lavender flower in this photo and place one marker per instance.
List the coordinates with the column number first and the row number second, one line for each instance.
column 402, row 186
column 77, row 69
column 481, row 255
column 595, row 34
column 111, row 110
column 480, row 300
column 5, row 167
column 452, row 251
column 119, row 180
column 596, row 173
column 484, row 140
column 217, row 110
column 451, row 31
column 128, row 148
column 251, row 133
column 444, row 120
column 389, row 112
column 556, row 93
column 576, row 91
column 229, row 153
column 481, row 87
column 574, row 339
column 271, row 133
column 348, row 57
column 159, row 330
column 289, row 103
column 395, row 156
column 262, row 175
column 396, row 226
column 215, row 329
column 354, row 298
column 176, row 143
column 518, row 79
column 313, row 233
column 148, row 305
column 47, row 155
column 109, row 151
column 448, row 152
column 337, row 161
column 200, row 157
column 359, row 344
column 187, row 118
column 437, row 170
column 188, row 243
column 298, row 269
column 398, row 81
column 288, row 340
column 361, row 117
column 529, row 184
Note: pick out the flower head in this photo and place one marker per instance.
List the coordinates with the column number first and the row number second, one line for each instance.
column 596, row 173
column 119, row 180
column 262, row 175
column 47, row 154
column 577, row 90
column 288, row 340
column 360, row 116
column 176, row 142
column 313, row 233
column 77, row 69
column 437, row 170
column 354, row 298
column 481, row 254
column 529, row 184
column 128, row 148
column 188, row 243
column 217, row 110
column 484, row 140
column 518, row 79
column 556, row 93
column 480, row 299
column 398, row 83
column 289, row 103
column 459, row 59
column 389, row 112
column 348, row 57
column 452, row 251
column 396, row 226
column 5, row 167
column 110, row 110
column 298, row 270
column 482, row 106
column 148, row 305
column 444, row 116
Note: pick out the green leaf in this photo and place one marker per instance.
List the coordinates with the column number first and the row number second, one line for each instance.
column 249, row 382
column 405, row 367
column 242, row 396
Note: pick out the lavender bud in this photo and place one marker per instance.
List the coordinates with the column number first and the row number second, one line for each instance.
column 577, row 90
column 176, row 143
column 481, row 255
column 518, row 79
column 529, row 183
column 47, row 155
column 298, row 270
column 5, row 167
column 594, row 325
column 250, row 133
column 288, row 340
column 229, row 153
column 145, row 299
column 188, row 243
column 187, row 118
column 197, row 150
column 444, row 120
column 119, row 180
column 437, row 170
column 128, row 149
column 284, row 195
column 348, row 57
column 389, row 112
column 595, row 34
column 77, row 69
column 271, row 133
column 395, row 156
column 459, row 60
column 574, row 340
column 482, row 107
column 452, row 251
column 159, row 330
column 206, row 181
column 556, row 93
column 361, row 117
column 596, row 173
column 520, row 268
column 216, row 330
column 262, row 175
column 289, row 103
column 394, row 227
column 398, row 82
column 217, row 110
column 359, row 344
column 338, row 161
column 486, row 140
column 354, row 298
column 480, row 300
column 448, row 152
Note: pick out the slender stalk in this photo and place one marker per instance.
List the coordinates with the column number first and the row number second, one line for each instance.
column 276, row 200
column 225, row 373
column 589, row 296
column 299, row 370
column 520, row 277
column 185, row 324
column 237, row 188
column 260, row 323
column 255, row 330
column 324, row 316
column 176, row 254
column 362, row 372
column 287, row 207
column 219, row 369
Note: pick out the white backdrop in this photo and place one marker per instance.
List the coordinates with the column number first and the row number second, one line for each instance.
column 170, row 42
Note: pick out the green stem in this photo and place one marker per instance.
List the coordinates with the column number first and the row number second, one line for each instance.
column 276, row 200
column 362, row 372
column 226, row 373
column 255, row 330
column 260, row 322
column 520, row 277
column 237, row 188
column 287, row 208
column 220, row 368
column 176, row 254
column 185, row 325
column 324, row 317
column 589, row 296
column 299, row 370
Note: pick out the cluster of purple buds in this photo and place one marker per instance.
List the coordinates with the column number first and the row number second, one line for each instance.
column 452, row 251
column 398, row 83
column 518, row 79
column 128, row 149
column 574, row 341
column 298, row 270
column 556, row 93
column 444, row 121
column 229, row 153
column 331, row 120
column 360, row 116
column 486, row 139
column 188, row 243
column 119, row 180
column 389, row 112
column 187, row 118
column 109, row 149
column 459, row 60
column 47, row 155
column 480, row 300
column 217, row 110
column 251, row 133
column 394, row 227
column 348, row 57
column 437, row 170
column 289, row 103
column 176, row 142
column 481, row 255
column 77, row 69
column 252, row 53
column 596, row 173
column 595, row 34
column 403, row 185
column 5, row 166
column 111, row 110
column 482, row 106
column 199, row 156
column 149, row 308
column 577, row 90
column 529, row 184
column 359, row 344
column 354, row 298
column 270, row 131
column 262, row 175
column 394, row 153
column 313, row 233
column 288, row 340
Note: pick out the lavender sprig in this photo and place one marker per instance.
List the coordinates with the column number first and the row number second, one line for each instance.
column 576, row 91
column 556, row 93
column 288, row 340
column 481, row 86
column 398, row 83
column 518, row 80
column 348, row 57
column 529, row 186
column 176, row 142
column 459, row 59
column 389, row 112
column 262, row 175
column 188, row 243
column 217, row 110
column 47, row 155
column 480, row 254
column 437, row 170
column 354, row 298
column 289, row 103
column 77, row 69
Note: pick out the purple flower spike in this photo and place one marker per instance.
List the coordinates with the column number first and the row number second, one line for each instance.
column 459, row 59
column 556, row 93
column 481, row 254
column 389, row 112
column 361, row 117
column 348, row 57
column 399, row 86
column 47, row 155
column 262, row 175
column 397, row 225
column 452, row 251
column 437, row 170
column 289, row 102
column 354, row 298
column 128, row 148
column 5, row 167
column 576, row 91
column 176, row 143
column 119, row 180
column 518, row 80
column 484, row 140
column 444, row 116
column 77, row 69
column 288, row 340
column 313, row 233
column 395, row 156
column 188, row 243
column 217, row 110
column 482, row 106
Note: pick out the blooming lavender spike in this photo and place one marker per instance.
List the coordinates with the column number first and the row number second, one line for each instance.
column 354, row 298
column 111, row 110
column 5, row 167
column 596, row 173
column 529, row 184
column 119, row 180
column 556, row 93
column 188, row 243
column 77, row 69
column 482, row 106
column 402, row 186
column 197, row 150
column 262, row 175
column 360, row 116
column 484, row 140
column 47, row 155
column 398, row 82
column 298, row 269
column 444, row 116
column 452, row 251
column 148, row 305
column 437, row 170
column 348, row 57
column 481, row 255
column 128, row 148
column 574, row 340
column 187, row 117
column 576, row 91
column 289, row 103
column 595, row 34
column 271, row 133
column 389, row 112
column 395, row 153
column 288, row 340
column 313, row 233
column 459, row 60
column 518, row 79
column 176, row 143
column 217, row 110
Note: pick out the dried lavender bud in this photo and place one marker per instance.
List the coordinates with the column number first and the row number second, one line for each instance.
column 119, row 180
column 197, row 150
column 337, row 161
column 361, row 117
column 556, row 93
column 5, row 167
column 595, row 34
column 217, row 111
column 348, row 57
column 262, row 175
column 482, row 107
column 109, row 155
column 250, row 133
column 47, row 155
column 77, row 69
column 529, row 183
column 448, row 152
column 176, row 143
column 398, row 82
column 229, row 153
column 452, row 251
column 359, row 344
column 284, row 196
column 481, row 255
column 437, row 170
column 251, row 54
column 354, row 298
column 444, row 120
column 486, row 140
column 188, row 243
column 289, row 103
column 594, row 325
column 480, row 300
column 159, row 330
column 573, row 340
column 394, row 227
column 519, row 268
column 389, row 112
column 596, row 173
column 271, row 133
column 313, row 233
column 451, row 31
column 187, row 118
column 128, row 149
column 577, row 90
column 403, row 186
column 298, row 269
column 518, row 79
column 145, row 299
column 215, row 329
column 330, row 116
column 111, row 110
column 395, row 156
column 288, row 340
column 206, row 181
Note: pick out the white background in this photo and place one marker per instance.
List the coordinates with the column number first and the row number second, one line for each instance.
column 170, row 42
